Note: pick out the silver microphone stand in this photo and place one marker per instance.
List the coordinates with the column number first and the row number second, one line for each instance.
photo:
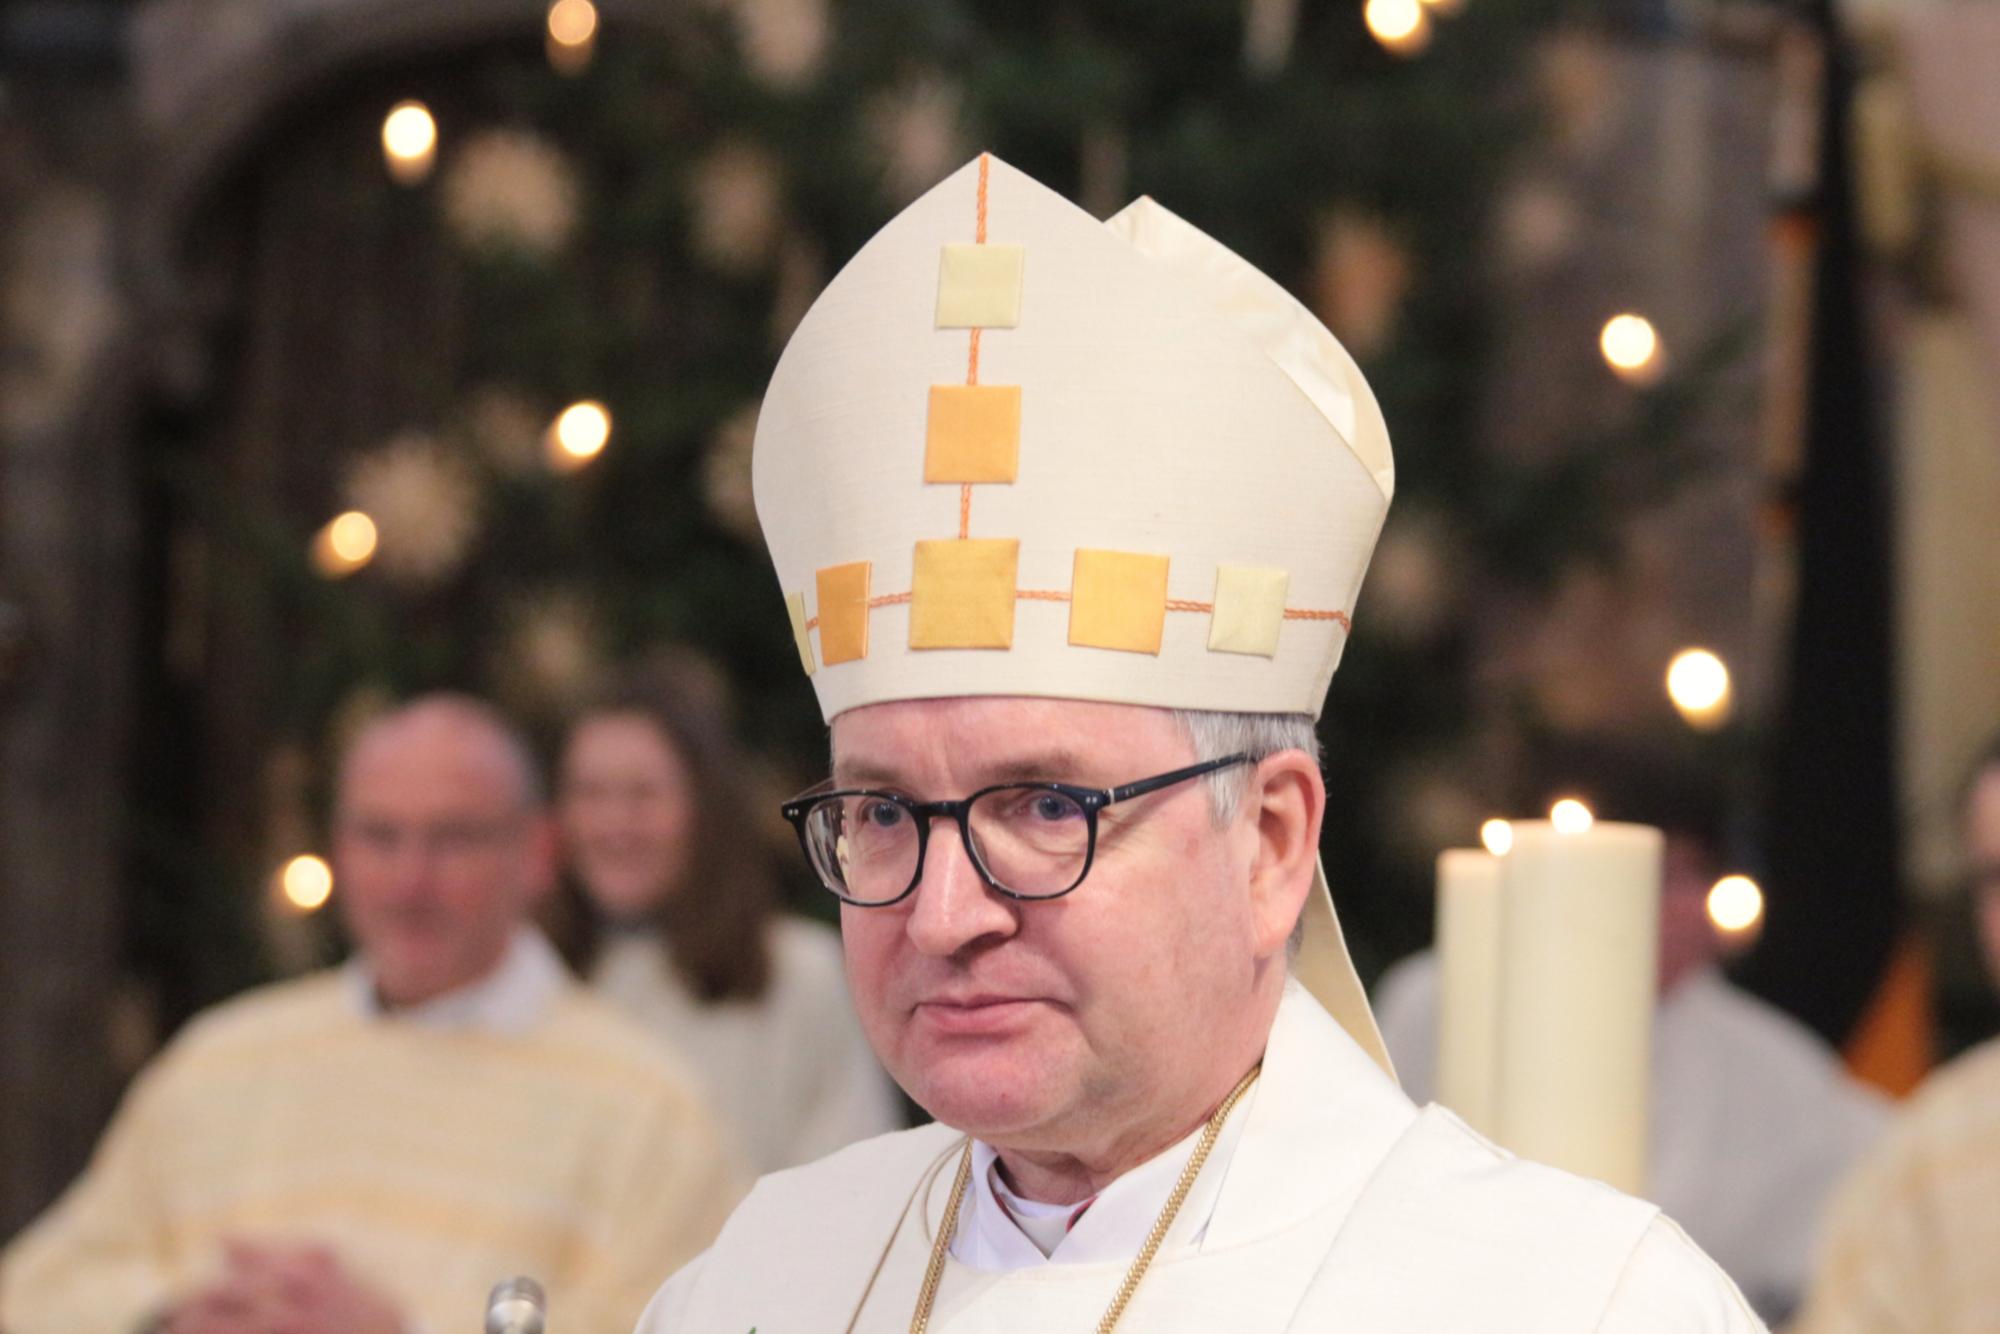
column 517, row 1306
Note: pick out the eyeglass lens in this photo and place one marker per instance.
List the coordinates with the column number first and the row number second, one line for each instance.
column 1030, row 840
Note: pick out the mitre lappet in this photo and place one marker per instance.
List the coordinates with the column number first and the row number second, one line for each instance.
column 1013, row 450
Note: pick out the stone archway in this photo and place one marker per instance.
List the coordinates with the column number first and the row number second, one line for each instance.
column 108, row 329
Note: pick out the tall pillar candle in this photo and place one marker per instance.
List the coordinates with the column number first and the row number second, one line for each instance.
column 1580, row 915
column 1468, row 946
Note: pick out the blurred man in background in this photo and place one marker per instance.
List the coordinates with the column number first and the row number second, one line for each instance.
column 1910, row 1242
column 367, row 1151
column 1753, row 1120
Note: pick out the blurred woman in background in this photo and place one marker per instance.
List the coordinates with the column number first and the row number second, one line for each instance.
column 669, row 910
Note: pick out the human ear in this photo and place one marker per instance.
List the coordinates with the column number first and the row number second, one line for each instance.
column 1283, row 805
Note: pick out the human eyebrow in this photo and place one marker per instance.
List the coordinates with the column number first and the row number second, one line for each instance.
column 863, row 774
column 1059, row 766
column 1054, row 766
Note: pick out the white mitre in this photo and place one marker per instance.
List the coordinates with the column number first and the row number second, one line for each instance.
column 1012, row 450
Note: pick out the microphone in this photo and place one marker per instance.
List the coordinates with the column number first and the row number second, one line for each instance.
column 516, row 1306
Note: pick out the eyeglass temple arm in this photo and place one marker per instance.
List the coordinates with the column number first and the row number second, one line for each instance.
column 1158, row 781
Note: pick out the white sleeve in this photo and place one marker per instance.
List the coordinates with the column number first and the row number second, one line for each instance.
column 667, row 1312
column 1670, row 1287
column 1406, row 1010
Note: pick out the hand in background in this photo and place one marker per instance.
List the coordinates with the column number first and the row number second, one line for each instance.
column 284, row 1289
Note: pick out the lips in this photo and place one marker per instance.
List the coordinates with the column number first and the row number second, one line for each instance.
column 977, row 1015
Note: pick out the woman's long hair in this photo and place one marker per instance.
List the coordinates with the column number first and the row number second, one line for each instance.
column 712, row 924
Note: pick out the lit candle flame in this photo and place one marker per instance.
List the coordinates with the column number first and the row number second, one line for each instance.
column 1498, row 836
column 1570, row 816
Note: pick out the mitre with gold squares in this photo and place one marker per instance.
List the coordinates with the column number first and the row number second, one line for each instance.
column 1013, row 450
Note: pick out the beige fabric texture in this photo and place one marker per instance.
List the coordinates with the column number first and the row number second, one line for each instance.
column 432, row 1162
column 1908, row 1246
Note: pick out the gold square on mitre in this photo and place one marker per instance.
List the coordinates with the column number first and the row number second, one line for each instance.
column 962, row 593
column 1249, row 610
column 1173, row 401
column 973, row 433
column 795, row 607
column 843, row 612
column 1118, row 599
column 979, row 286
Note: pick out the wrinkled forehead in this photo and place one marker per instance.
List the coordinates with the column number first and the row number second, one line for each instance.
column 968, row 741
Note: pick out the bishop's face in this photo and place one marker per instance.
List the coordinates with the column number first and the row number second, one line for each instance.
column 1071, row 1025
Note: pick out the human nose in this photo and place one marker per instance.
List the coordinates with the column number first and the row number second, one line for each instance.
column 953, row 906
column 409, row 859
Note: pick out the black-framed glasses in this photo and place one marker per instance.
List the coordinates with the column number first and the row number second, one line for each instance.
column 1026, row 840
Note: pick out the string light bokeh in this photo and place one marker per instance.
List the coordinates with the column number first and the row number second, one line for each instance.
column 306, row 883
column 409, row 141
column 578, row 435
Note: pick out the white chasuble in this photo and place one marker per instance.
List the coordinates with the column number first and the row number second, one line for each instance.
column 1342, row 1207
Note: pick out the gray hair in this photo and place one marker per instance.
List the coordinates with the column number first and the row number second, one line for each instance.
column 1215, row 734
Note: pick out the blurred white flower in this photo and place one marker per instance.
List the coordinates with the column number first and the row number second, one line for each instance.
column 1579, row 85
column 550, row 652
column 1429, row 809
column 801, row 276
column 726, row 474
column 736, row 198
column 915, row 129
column 510, row 190
column 1412, row 591
column 506, row 427
column 1360, row 273
column 784, row 41
column 424, row 501
column 1538, row 223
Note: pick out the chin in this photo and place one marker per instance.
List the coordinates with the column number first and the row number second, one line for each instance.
column 417, row 974
column 626, row 900
column 982, row 1096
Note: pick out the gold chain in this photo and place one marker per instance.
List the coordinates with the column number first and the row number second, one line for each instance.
column 934, row 1272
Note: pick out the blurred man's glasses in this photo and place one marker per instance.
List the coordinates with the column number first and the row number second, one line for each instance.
column 446, row 838
column 1026, row 840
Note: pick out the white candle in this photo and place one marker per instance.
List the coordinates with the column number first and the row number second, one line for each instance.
column 1468, row 945
column 1580, row 916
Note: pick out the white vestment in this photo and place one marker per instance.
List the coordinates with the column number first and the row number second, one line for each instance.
column 1340, row 1206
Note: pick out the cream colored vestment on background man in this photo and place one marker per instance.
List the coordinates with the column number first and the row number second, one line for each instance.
column 1342, row 1207
column 517, row 1126
column 1912, row 1243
